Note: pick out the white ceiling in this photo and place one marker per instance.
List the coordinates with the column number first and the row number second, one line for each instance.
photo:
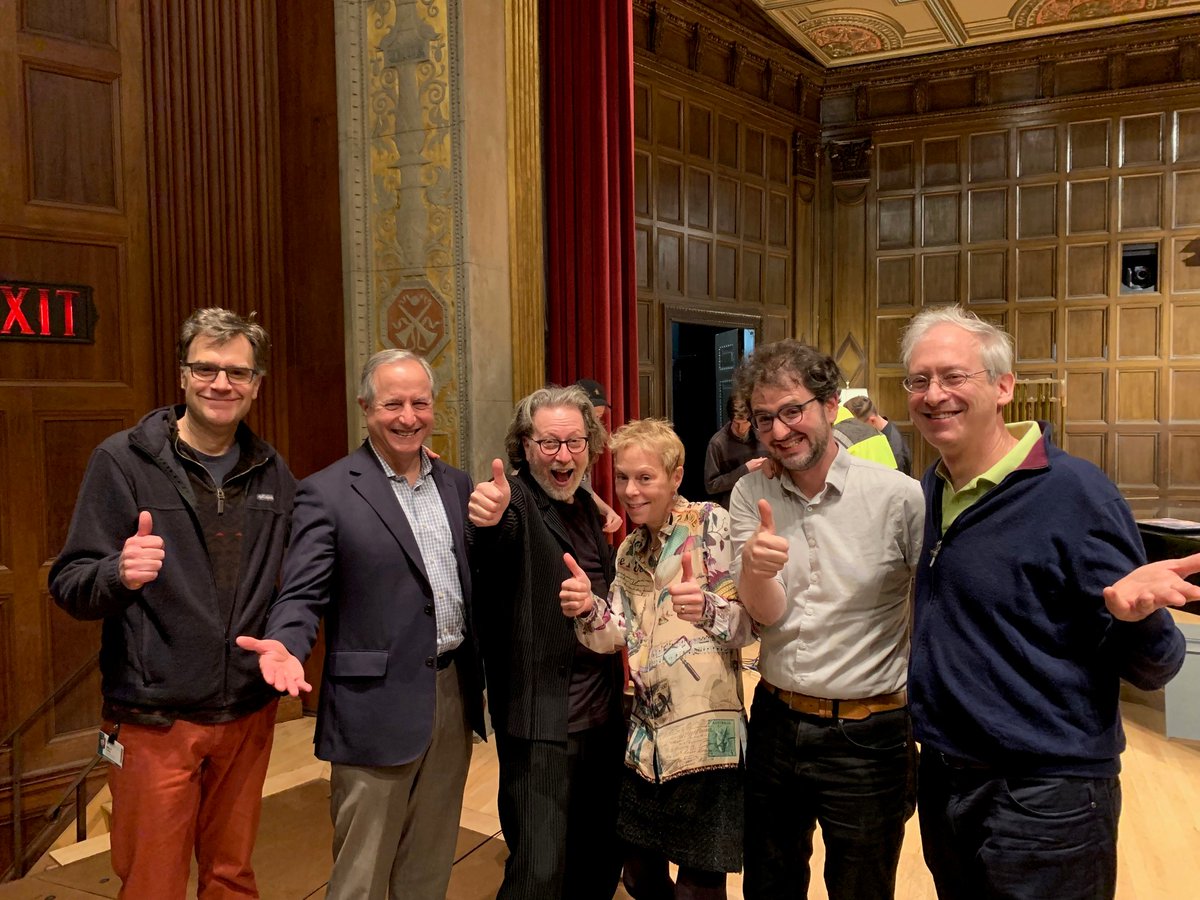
column 843, row 32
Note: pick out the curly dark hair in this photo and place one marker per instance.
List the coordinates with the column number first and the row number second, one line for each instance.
column 788, row 362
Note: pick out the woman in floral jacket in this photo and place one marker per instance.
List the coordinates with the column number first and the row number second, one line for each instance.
column 674, row 607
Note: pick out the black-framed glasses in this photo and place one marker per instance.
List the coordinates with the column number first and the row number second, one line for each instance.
column 919, row 384
column 788, row 415
column 203, row 371
column 550, row 446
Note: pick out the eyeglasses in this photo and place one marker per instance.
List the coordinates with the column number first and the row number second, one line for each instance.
column 788, row 415
column 203, row 371
column 550, row 446
column 919, row 384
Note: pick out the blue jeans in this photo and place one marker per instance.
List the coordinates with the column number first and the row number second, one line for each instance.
column 986, row 835
column 853, row 777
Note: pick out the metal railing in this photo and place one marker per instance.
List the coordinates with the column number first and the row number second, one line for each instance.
column 78, row 789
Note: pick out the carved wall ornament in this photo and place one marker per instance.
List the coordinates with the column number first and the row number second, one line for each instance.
column 696, row 42
column 1189, row 61
column 983, row 88
column 415, row 319
column 843, row 36
column 1046, row 79
column 654, row 28
column 851, row 359
column 862, row 102
column 850, row 160
column 768, row 78
column 921, row 96
column 1116, row 71
column 404, row 205
column 805, row 152
column 737, row 59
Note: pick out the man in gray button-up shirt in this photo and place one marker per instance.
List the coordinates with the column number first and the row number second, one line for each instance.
column 824, row 556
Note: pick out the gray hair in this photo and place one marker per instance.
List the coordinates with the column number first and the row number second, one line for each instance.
column 995, row 344
column 552, row 397
column 222, row 326
column 366, row 384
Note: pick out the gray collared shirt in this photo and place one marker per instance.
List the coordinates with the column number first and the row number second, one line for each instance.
column 422, row 506
column 852, row 551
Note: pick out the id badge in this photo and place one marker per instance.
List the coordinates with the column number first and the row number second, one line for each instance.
column 110, row 748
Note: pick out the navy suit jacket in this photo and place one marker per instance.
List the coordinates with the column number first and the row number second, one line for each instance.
column 354, row 560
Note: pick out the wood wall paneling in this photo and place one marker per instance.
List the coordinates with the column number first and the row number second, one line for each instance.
column 89, row 21
column 1087, row 397
column 1087, row 270
column 73, row 146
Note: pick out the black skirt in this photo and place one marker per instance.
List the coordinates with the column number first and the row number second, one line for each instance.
column 694, row 820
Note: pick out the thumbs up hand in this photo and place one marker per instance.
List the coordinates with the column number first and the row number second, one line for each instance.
column 142, row 555
column 490, row 498
column 575, row 597
column 766, row 553
column 688, row 596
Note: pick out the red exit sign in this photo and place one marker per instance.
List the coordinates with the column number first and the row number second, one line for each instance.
column 47, row 312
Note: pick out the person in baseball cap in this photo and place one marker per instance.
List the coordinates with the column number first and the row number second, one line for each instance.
column 595, row 393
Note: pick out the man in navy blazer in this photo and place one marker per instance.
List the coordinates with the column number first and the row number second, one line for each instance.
column 378, row 550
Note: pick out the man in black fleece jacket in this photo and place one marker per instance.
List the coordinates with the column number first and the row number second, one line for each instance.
column 176, row 543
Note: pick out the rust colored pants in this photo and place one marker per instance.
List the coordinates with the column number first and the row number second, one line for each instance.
column 186, row 787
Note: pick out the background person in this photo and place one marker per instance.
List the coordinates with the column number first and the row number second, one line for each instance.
column 863, row 409
column 595, row 393
column 732, row 452
column 674, row 607
column 175, row 543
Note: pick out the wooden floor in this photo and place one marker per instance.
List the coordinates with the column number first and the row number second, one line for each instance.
column 1160, row 822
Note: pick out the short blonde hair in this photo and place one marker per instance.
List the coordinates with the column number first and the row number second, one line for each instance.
column 656, row 435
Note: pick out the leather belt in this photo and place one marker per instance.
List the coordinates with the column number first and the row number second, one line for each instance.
column 444, row 659
column 824, row 708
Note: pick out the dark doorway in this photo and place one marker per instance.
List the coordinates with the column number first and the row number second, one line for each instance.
column 703, row 358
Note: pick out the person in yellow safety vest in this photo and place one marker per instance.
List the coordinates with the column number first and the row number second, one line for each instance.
column 861, row 439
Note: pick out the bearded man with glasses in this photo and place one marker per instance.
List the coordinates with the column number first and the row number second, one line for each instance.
column 176, row 543
column 823, row 556
column 555, row 705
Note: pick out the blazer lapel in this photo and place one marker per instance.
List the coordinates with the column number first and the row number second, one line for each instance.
column 369, row 482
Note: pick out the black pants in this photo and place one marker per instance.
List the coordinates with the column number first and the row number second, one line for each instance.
column 988, row 836
column 855, row 778
column 558, row 806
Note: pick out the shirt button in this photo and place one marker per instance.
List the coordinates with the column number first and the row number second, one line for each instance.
column 808, row 612
column 803, row 645
column 430, row 661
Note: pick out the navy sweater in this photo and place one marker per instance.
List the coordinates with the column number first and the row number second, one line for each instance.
column 1015, row 661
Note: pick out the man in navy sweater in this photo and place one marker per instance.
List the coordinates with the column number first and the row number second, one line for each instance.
column 1016, row 660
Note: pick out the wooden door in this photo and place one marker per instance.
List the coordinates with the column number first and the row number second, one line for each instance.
column 73, row 211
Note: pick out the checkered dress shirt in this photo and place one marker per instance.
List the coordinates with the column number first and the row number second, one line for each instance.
column 422, row 506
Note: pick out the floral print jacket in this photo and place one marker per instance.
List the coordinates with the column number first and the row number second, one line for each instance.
column 688, row 713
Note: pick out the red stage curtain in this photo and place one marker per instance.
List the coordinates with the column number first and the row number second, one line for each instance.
column 591, row 297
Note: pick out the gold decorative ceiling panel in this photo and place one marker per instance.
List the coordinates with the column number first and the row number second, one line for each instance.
column 838, row 33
